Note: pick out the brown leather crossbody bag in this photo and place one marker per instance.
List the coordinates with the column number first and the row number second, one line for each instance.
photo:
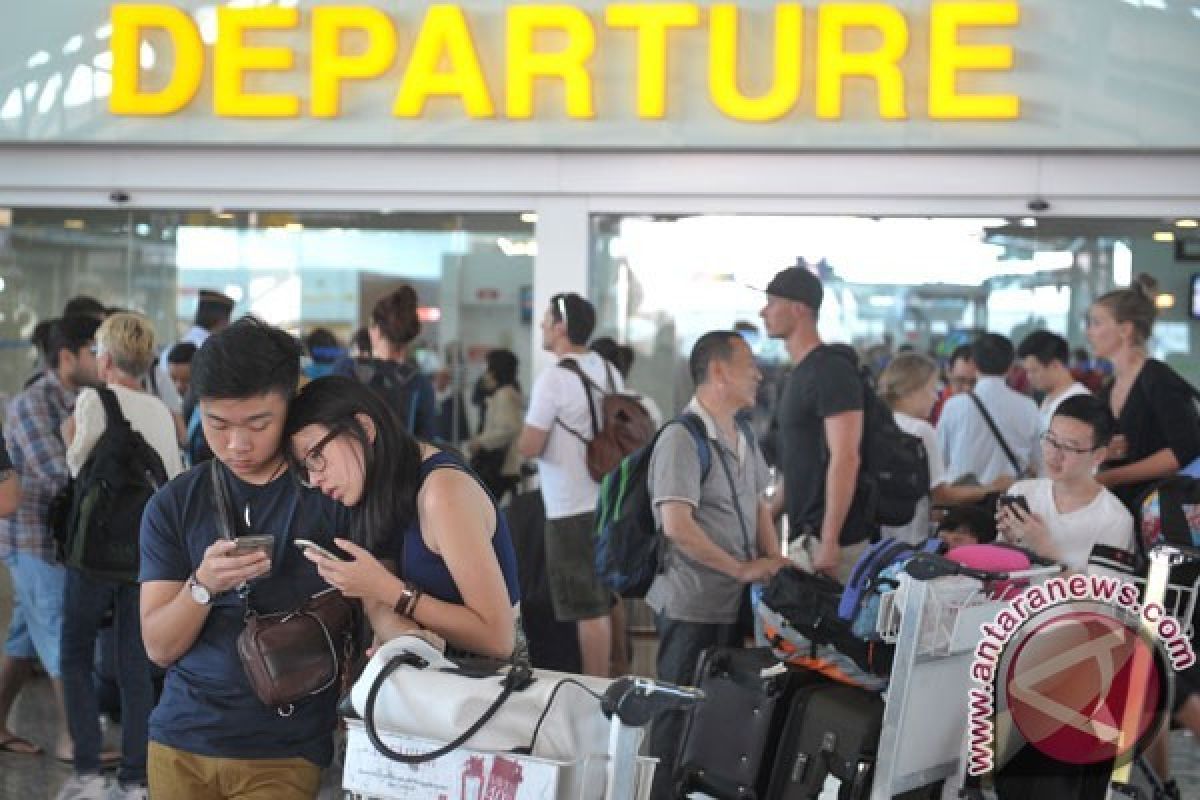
column 289, row 655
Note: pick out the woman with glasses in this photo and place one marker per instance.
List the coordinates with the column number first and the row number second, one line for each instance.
column 1158, row 430
column 909, row 386
column 428, row 548
column 1068, row 512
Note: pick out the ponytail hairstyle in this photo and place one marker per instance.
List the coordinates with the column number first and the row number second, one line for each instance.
column 1134, row 305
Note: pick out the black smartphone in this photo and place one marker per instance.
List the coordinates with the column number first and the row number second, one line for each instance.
column 1010, row 500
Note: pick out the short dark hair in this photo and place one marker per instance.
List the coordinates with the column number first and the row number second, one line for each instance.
column 976, row 519
column 395, row 314
column 182, row 353
column 323, row 345
column 213, row 309
column 1092, row 411
column 362, row 340
column 69, row 333
column 247, row 359
column 1046, row 347
column 578, row 313
column 503, row 366
column 712, row 346
column 961, row 353
column 83, row 305
column 993, row 354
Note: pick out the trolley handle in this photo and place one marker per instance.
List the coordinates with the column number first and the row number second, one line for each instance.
column 1177, row 553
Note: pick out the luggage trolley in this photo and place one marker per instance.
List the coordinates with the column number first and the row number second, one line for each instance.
column 621, row 774
column 935, row 627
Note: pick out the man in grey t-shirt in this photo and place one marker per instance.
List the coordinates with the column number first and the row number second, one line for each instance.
column 712, row 554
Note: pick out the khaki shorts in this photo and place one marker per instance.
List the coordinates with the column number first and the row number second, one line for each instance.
column 177, row 773
column 575, row 590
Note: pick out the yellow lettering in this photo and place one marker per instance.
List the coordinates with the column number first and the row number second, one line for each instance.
column 128, row 23
column 652, row 21
column 834, row 64
column 444, row 33
column 723, row 64
column 568, row 64
column 330, row 66
column 947, row 58
column 233, row 58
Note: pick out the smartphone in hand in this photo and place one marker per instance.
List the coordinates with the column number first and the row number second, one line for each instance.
column 1010, row 500
column 306, row 545
column 244, row 545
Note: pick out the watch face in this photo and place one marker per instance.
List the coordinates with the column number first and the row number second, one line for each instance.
column 200, row 594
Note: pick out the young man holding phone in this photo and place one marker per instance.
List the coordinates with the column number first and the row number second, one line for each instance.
column 1065, row 514
column 210, row 736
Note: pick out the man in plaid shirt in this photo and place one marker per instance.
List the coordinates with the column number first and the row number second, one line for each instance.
column 35, row 445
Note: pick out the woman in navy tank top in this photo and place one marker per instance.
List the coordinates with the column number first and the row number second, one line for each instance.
column 429, row 548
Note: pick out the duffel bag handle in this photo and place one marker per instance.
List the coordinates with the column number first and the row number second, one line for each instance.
column 517, row 678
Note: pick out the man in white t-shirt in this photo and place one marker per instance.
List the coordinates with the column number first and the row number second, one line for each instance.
column 125, row 351
column 558, row 425
column 1069, row 512
column 1045, row 357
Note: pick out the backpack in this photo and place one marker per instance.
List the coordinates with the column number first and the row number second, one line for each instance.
column 894, row 475
column 629, row 545
column 398, row 385
column 102, row 525
column 873, row 575
column 623, row 426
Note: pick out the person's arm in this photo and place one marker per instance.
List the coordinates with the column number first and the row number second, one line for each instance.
column 767, row 536
column 459, row 521
column 680, row 527
column 543, row 411
column 946, row 494
column 532, row 441
column 843, row 433
column 10, row 492
column 32, row 433
column 1162, row 464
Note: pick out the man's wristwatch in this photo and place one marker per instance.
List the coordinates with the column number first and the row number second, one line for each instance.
column 199, row 592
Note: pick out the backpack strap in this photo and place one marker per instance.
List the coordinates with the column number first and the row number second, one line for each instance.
column 112, row 407
column 571, row 365
column 991, row 423
column 696, row 427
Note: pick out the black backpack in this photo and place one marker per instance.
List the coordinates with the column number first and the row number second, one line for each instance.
column 894, row 475
column 399, row 386
column 98, row 533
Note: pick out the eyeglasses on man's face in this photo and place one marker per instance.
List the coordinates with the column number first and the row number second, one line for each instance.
column 1049, row 441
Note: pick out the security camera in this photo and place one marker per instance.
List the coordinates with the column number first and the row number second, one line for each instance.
column 1038, row 205
column 119, row 196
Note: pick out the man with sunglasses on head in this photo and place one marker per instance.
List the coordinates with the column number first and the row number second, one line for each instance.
column 557, row 428
column 1069, row 511
column 210, row 736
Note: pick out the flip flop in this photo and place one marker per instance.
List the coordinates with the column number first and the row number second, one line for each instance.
column 18, row 746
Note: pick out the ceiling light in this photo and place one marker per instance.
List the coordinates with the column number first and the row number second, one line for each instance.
column 1164, row 236
column 1165, row 300
column 529, row 218
column 73, row 224
column 294, row 227
column 1186, row 223
column 1028, row 222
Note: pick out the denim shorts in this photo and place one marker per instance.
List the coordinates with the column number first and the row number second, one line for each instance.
column 575, row 590
column 37, row 619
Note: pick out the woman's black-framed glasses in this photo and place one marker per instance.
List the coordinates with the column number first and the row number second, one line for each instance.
column 314, row 459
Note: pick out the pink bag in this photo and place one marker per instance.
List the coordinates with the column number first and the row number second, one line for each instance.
column 994, row 558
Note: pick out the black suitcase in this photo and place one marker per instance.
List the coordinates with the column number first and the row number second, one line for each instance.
column 729, row 739
column 830, row 729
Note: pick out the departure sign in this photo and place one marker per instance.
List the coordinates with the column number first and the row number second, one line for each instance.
column 545, row 61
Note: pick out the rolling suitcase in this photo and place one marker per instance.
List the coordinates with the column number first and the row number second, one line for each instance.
column 728, row 741
column 831, row 729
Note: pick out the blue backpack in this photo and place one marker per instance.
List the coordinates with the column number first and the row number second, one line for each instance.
column 874, row 574
column 629, row 545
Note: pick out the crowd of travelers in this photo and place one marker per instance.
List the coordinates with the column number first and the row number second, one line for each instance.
column 371, row 459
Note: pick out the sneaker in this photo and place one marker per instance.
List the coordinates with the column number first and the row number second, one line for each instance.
column 120, row 792
column 84, row 787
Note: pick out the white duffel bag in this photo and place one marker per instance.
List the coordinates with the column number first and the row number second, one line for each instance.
column 408, row 687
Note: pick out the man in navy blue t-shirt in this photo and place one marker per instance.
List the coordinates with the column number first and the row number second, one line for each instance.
column 210, row 736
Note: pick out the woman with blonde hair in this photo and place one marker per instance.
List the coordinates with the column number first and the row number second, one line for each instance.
column 124, row 353
column 1158, row 430
column 909, row 386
